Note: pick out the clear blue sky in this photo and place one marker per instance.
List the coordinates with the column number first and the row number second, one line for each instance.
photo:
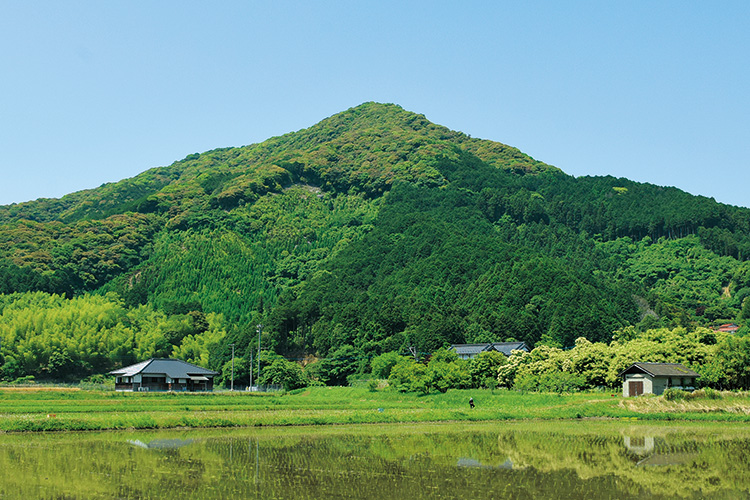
column 98, row 91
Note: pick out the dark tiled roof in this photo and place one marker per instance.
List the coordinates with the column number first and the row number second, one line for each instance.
column 503, row 347
column 173, row 368
column 507, row 347
column 470, row 348
column 660, row 370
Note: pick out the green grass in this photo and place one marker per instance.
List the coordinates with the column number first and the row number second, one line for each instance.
column 60, row 410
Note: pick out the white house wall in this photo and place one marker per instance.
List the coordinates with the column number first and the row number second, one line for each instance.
column 648, row 383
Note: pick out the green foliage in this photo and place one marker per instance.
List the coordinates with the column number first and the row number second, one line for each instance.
column 287, row 374
column 672, row 394
column 484, row 368
column 745, row 310
column 337, row 366
column 732, row 363
column 445, row 374
column 51, row 337
column 431, row 267
column 558, row 381
column 384, row 363
column 408, row 375
column 444, row 371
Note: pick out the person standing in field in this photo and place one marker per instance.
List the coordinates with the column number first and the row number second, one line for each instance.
column 471, row 403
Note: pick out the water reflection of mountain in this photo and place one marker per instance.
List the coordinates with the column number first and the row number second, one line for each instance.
column 519, row 461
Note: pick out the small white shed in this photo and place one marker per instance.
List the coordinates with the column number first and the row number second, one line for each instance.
column 654, row 378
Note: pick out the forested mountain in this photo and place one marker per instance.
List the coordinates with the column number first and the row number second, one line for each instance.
column 373, row 231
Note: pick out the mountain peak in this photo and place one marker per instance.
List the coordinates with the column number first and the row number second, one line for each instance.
column 366, row 147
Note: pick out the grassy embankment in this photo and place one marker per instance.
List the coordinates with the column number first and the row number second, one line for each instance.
column 59, row 409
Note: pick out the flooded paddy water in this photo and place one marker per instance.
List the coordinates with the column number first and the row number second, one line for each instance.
column 524, row 460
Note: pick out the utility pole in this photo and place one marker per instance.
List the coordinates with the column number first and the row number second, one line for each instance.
column 232, row 389
column 260, row 329
column 250, row 387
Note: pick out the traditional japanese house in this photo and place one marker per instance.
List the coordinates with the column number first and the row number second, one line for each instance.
column 164, row 375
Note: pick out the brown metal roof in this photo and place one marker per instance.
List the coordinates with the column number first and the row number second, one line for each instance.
column 660, row 370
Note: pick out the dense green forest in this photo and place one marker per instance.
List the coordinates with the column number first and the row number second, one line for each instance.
column 372, row 232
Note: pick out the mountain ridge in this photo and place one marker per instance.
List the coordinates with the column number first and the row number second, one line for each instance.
column 301, row 150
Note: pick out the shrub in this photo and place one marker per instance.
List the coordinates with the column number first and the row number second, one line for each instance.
column 712, row 393
column 705, row 393
column 28, row 379
column 672, row 394
column 557, row 381
column 406, row 375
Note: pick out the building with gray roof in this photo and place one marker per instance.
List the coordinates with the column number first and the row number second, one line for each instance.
column 164, row 375
column 468, row 351
column 655, row 378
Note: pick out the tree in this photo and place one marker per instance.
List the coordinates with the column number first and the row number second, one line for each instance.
column 338, row 365
column 746, row 309
column 287, row 374
column 408, row 375
column 382, row 364
column 442, row 375
column 733, row 356
column 483, row 368
column 590, row 361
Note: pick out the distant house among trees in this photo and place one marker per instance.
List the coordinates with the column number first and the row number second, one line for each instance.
column 164, row 375
column 655, row 378
column 729, row 328
column 468, row 351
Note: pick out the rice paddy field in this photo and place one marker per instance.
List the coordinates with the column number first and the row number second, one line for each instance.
column 66, row 409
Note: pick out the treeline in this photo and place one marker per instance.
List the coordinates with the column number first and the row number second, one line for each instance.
column 53, row 338
column 720, row 359
column 603, row 208
column 49, row 337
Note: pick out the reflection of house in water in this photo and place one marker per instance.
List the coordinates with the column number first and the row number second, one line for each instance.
column 161, row 444
column 640, row 445
column 471, row 463
column 654, row 451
